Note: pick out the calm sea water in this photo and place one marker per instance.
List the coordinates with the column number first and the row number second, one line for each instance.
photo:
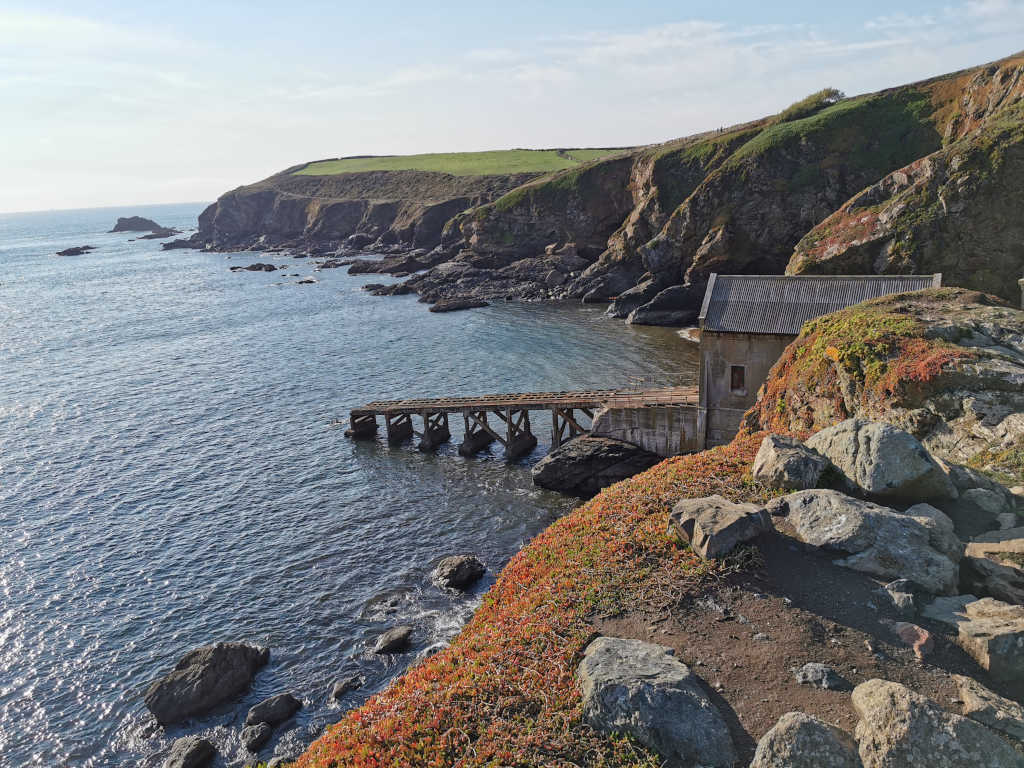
column 170, row 476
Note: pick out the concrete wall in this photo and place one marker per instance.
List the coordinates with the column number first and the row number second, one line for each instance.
column 757, row 353
column 664, row 430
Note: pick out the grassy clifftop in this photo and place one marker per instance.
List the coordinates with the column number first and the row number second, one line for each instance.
column 497, row 162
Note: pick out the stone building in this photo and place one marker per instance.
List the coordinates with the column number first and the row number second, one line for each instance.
column 746, row 322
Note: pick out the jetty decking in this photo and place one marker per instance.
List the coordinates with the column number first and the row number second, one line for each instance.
column 512, row 410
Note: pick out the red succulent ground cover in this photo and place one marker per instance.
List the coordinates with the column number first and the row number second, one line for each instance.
column 504, row 693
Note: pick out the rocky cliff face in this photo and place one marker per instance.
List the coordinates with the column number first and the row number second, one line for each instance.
column 408, row 208
column 946, row 364
column 956, row 211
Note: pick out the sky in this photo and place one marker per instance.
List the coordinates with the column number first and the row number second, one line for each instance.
column 114, row 103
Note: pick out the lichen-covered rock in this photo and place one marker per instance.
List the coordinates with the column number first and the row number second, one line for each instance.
column 902, row 729
column 787, row 464
column 988, row 707
column 801, row 741
column 642, row 690
column 878, row 540
column 882, row 460
column 714, row 526
column 190, row 752
column 204, row 678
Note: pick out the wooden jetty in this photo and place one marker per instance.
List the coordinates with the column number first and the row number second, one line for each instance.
column 512, row 411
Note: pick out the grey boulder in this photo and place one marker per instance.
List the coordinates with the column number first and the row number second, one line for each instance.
column 878, row 540
column 204, row 678
column 190, row 752
column 341, row 687
column 787, row 464
column 802, row 741
column 273, row 711
column 822, row 676
column 883, row 461
column 985, row 577
column 902, row 729
column 991, row 631
column 642, row 690
column 255, row 736
column 395, row 640
column 988, row 707
column 713, row 526
column 458, row 571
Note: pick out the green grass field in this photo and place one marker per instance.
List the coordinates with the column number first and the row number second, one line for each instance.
column 464, row 163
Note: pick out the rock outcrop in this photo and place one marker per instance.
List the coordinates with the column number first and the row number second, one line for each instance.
column 204, row 678
column 787, row 464
column 396, row 640
column 137, row 224
column 190, row 752
column 459, row 571
column 946, row 365
column 585, row 465
column 273, row 711
column 902, row 729
column 642, row 690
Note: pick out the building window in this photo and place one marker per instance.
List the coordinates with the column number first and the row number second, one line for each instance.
column 738, row 379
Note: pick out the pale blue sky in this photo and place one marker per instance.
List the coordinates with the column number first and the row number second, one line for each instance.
column 127, row 102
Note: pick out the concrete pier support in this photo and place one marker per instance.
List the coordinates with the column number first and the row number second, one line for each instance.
column 362, row 428
column 520, row 440
column 478, row 433
column 435, row 430
column 399, row 427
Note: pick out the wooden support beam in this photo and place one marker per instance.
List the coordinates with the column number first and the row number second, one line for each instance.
column 399, row 427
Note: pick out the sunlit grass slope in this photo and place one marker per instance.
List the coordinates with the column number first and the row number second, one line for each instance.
column 496, row 162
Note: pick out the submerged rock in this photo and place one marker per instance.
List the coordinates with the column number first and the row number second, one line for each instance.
column 190, row 752
column 642, row 690
column 586, row 464
column 459, row 571
column 204, row 678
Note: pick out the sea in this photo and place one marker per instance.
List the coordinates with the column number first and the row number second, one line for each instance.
column 174, row 472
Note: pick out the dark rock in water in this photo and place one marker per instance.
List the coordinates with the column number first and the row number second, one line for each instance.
column 342, row 687
column 255, row 736
column 136, row 224
column 78, row 250
column 282, row 760
column 335, row 263
column 822, row 676
column 274, row 711
column 190, row 752
column 257, row 267
column 394, row 640
column 454, row 305
column 204, row 678
column 306, row 281
column 374, row 287
column 160, row 234
column 185, row 242
column 398, row 289
column 587, row 464
column 389, row 265
column 458, row 571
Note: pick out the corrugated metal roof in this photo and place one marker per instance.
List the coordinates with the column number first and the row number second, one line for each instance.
column 783, row 303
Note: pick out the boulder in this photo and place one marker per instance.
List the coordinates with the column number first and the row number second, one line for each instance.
column 900, row 594
column 585, row 465
column 136, row 224
column 883, row 461
column 714, row 526
column 190, row 752
column 989, row 502
column 274, row 711
column 878, row 540
column 985, row 577
column 78, row 250
column 802, row 741
column 456, row 304
column 395, row 640
column 788, row 464
column 341, row 687
column 255, row 736
column 902, row 729
column 642, row 690
column 988, row 707
column 257, row 267
column 204, row 678
column 991, row 631
column 822, row 676
column 459, row 571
